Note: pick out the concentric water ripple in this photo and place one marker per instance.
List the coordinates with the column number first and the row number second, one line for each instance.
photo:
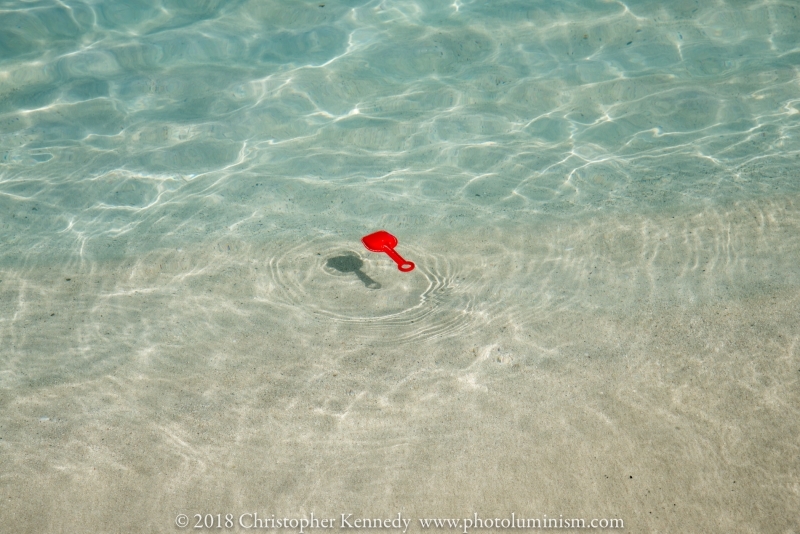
column 368, row 293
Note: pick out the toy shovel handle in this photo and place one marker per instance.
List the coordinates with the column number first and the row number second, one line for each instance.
column 402, row 264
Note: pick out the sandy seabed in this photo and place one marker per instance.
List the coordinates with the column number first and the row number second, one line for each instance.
column 643, row 368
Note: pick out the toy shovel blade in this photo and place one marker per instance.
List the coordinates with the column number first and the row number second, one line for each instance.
column 383, row 241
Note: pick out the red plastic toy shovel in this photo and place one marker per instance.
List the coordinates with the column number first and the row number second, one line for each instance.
column 383, row 241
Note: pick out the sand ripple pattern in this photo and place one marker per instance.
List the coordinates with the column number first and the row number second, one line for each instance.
column 381, row 303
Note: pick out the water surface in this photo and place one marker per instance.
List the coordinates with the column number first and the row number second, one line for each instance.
column 601, row 199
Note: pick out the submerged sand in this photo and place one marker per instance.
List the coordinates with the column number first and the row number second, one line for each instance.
column 643, row 368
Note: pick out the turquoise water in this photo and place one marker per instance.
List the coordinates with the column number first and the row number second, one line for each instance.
column 127, row 123
column 601, row 199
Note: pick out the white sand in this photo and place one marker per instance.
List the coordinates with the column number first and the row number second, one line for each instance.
column 644, row 369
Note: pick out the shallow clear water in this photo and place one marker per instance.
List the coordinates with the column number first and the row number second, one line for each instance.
column 601, row 199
